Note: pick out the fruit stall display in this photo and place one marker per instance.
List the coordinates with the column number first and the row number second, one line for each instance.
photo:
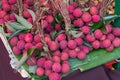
column 53, row 38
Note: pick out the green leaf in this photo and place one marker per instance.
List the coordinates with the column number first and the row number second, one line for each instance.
column 109, row 18
column 23, row 21
column 94, row 58
column 32, row 69
column 86, row 9
column 35, row 77
column 9, row 26
column 87, row 44
column 97, row 25
column 32, row 14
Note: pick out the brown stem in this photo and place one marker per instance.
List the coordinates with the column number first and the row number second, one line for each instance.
column 19, row 3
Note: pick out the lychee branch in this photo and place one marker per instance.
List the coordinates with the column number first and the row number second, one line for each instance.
column 19, row 3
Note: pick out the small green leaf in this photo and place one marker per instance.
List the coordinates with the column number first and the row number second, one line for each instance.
column 9, row 26
column 23, row 21
column 78, row 35
column 86, row 9
column 32, row 69
column 7, row 35
column 32, row 14
column 87, row 44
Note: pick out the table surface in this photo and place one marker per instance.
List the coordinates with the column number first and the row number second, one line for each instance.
column 99, row 73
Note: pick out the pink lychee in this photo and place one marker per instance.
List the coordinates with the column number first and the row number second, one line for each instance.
column 56, row 67
column 110, row 37
column 26, row 14
column 86, row 17
column 40, row 62
column 39, row 45
column 79, row 41
column 13, row 41
column 48, row 72
column 98, row 34
column 30, row 20
column 49, row 18
column 106, row 43
column 28, row 45
column 21, row 44
column 57, row 53
column 96, row 44
column 72, row 44
column 56, row 59
column 61, row 37
column 72, row 53
column 48, row 64
column 2, row 14
column 81, row 55
column 53, row 46
column 40, row 71
column 110, row 48
column 31, row 61
column 94, row 10
column 108, row 28
column 28, row 37
column 58, row 27
column 77, row 12
column 16, row 51
column 70, row 8
column 65, row 68
column 85, row 29
column 37, row 38
column 6, row 7
column 116, row 42
column 44, row 23
column 54, row 76
column 63, row 44
column 95, row 18
column 103, row 37
column 116, row 31
column 90, row 38
column 11, row 2
column 84, row 49
column 64, row 56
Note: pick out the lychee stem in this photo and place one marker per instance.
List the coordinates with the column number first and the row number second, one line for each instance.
column 19, row 3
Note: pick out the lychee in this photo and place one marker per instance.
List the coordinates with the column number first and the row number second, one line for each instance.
column 37, row 38
column 106, row 43
column 81, row 55
column 77, row 12
column 63, row 44
column 29, row 37
column 26, row 14
column 98, row 34
column 30, row 2
column 79, row 41
column 48, row 64
column 110, row 48
column 108, row 28
column 85, row 29
column 72, row 44
column 44, row 23
column 90, row 38
column 84, row 49
column 40, row 71
column 21, row 44
column 70, row 9
column 16, row 51
column 64, row 56
column 13, row 41
column 116, row 42
column 49, row 18
column 61, row 37
column 31, row 61
column 94, row 10
column 12, row 17
column 2, row 14
column 6, row 7
column 11, row 2
column 56, row 67
column 7, row 18
column 57, row 53
column 48, row 72
column 28, row 45
column 56, row 59
column 74, row 4
column 116, row 31
column 110, row 37
column 53, row 46
column 79, row 22
column 95, row 18
column 30, row 20
column 58, row 27
column 54, row 76
column 96, row 44
column 40, row 62
column 39, row 45
column 86, row 17
column 72, row 53
column 65, row 68
column 103, row 37
column 77, row 49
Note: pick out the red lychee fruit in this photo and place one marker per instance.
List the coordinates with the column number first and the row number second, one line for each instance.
column 110, row 48
column 7, row 17
column 110, row 37
column 116, row 42
column 13, row 41
column 86, row 17
column 22, row 36
column 79, row 23
column 98, row 34
column 63, row 44
column 64, row 56
column 48, row 72
column 11, row 2
column 85, row 29
column 90, row 38
column 96, row 44
column 40, row 62
column 37, row 38
column 31, row 61
column 7, row 30
column 57, row 53
column 61, row 37
column 49, row 28
column 48, row 64
column 39, row 45
column 84, row 49
column 29, row 37
column 66, row 62
column 40, row 71
column 95, row 18
column 53, row 46
column 116, row 31
column 28, row 45
column 47, row 39
column 49, row 18
column 77, row 49
column 54, row 76
column 94, row 10
column 30, row 20
column 56, row 67
column 65, row 68
column 21, row 44
column 77, row 12
column 2, row 14
column 72, row 53
column 103, row 37
column 108, row 28
column 81, row 55
column 30, row 2
column 70, row 9
column 74, row 4
column 2, row 21
column 16, row 51
column 106, row 43
column 12, row 17
column 58, row 27
column 56, row 59
column 26, row 14
column 44, row 23
column 6, row 7
column 79, row 41
column 72, row 44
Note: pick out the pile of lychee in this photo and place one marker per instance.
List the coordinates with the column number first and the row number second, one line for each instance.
column 61, row 48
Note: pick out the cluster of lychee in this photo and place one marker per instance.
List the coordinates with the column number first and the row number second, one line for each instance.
column 61, row 48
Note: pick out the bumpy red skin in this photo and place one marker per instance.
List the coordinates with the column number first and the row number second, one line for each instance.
column 26, row 14
column 79, row 41
column 21, row 44
column 95, row 18
column 72, row 44
column 89, row 38
column 7, row 18
column 72, row 53
column 65, row 68
column 6, row 7
column 11, row 2
column 63, row 44
column 53, row 46
column 116, row 42
column 40, row 71
column 64, row 56
column 70, row 9
column 56, row 67
column 110, row 48
column 28, row 45
column 48, row 72
column 110, row 37
column 106, row 43
column 2, row 14
column 78, row 23
column 12, row 17
column 84, row 49
column 56, row 59
column 22, row 36
column 13, row 41
column 40, row 62
column 81, row 55
column 39, row 45
column 85, row 29
column 61, row 37
column 93, row 10
column 77, row 49
column 103, row 37
column 48, row 64
column 16, row 51
column 54, row 76
column 86, row 17
column 30, row 2
column 74, row 4
column 44, row 23
column 29, row 37
column 49, row 18
column 57, row 53
column 108, row 28
column 98, row 34
column 30, row 20
column 37, row 38
column 96, row 44
column 77, row 12
column 116, row 31
column 31, row 61
column 58, row 27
